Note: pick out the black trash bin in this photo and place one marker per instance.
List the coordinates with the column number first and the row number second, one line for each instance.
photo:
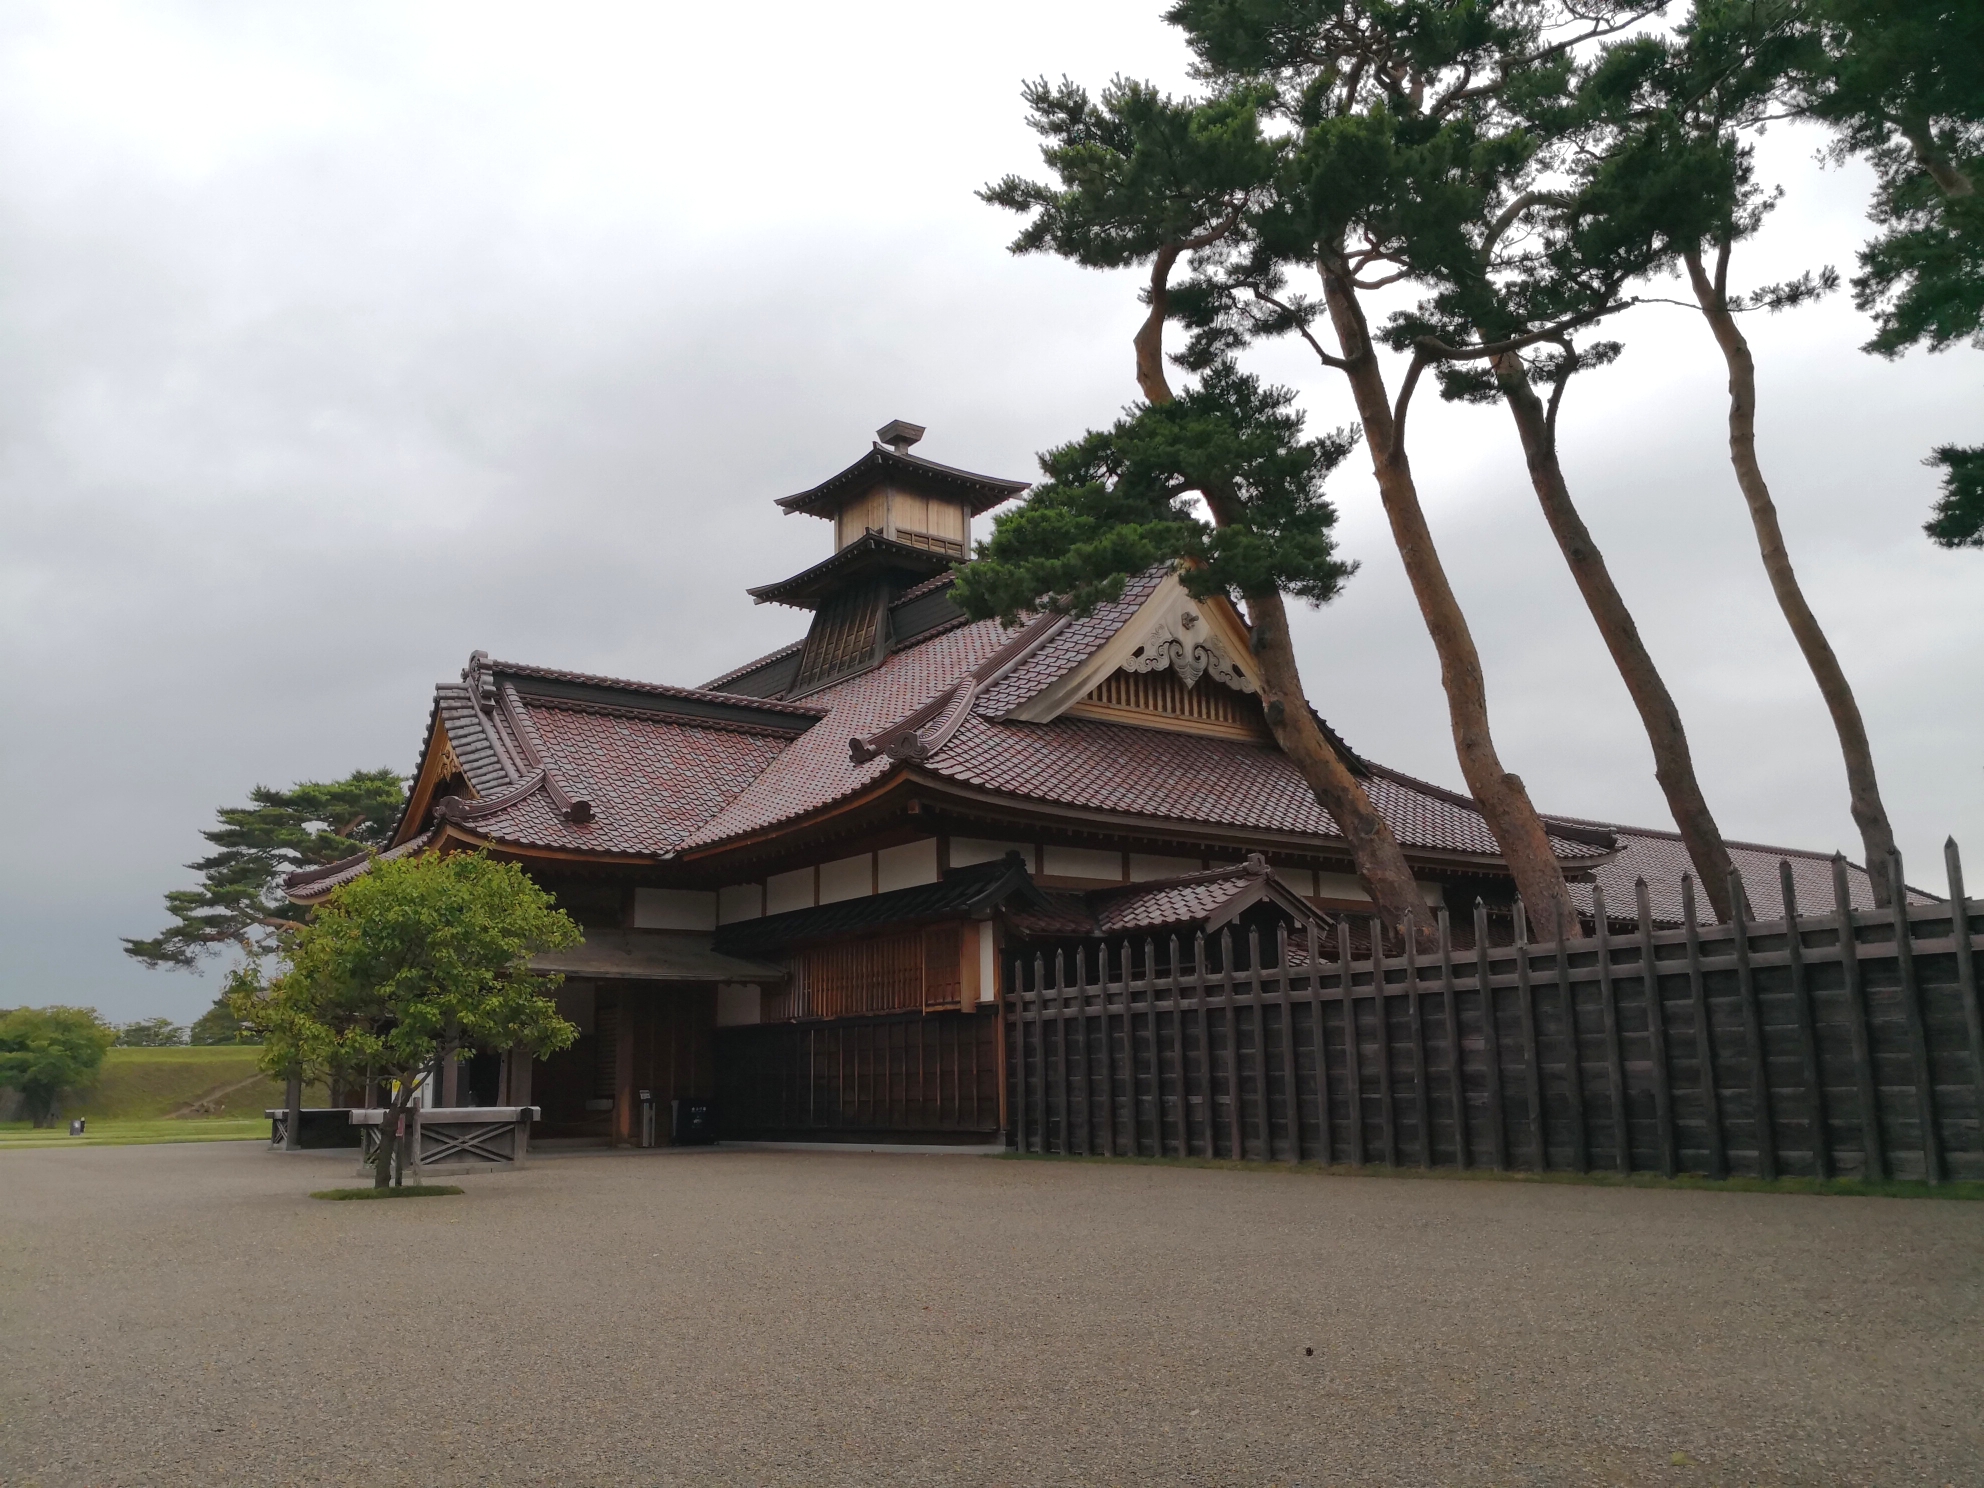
column 695, row 1123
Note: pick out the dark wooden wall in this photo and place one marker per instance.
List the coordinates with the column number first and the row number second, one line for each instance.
column 909, row 1077
column 664, row 1042
column 1837, row 1045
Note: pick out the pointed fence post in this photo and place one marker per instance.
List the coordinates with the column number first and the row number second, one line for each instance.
column 1656, row 1027
column 1491, row 1042
column 1061, row 1038
column 1178, row 1055
column 1291, row 1094
column 1753, row 1030
column 1379, row 997
column 1109, row 1047
column 1422, row 1109
column 1608, row 997
column 1205, row 1038
column 1325, row 1139
column 1352, row 1055
column 1254, row 1003
column 1873, row 1144
column 1911, row 1007
column 1718, row 1154
column 1450, row 1017
column 1808, row 1035
column 1966, row 970
column 1573, row 1056
column 1532, row 1045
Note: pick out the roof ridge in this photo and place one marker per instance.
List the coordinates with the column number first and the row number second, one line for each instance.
column 1668, row 835
column 715, row 683
column 651, row 715
column 657, row 689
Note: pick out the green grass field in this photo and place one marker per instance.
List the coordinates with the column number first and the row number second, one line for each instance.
column 133, row 1133
column 166, row 1095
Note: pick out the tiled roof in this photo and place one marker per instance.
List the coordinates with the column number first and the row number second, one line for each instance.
column 312, row 884
column 1661, row 860
column 1190, row 900
column 1074, row 644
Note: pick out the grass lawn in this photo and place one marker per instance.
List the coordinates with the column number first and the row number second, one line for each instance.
column 113, row 1133
column 147, row 1084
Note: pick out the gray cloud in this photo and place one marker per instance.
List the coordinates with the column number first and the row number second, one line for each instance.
column 334, row 345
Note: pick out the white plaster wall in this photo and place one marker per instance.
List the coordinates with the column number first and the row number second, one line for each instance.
column 739, row 902
column 847, row 878
column 1150, row 865
column 674, row 909
column 968, row 850
column 1082, row 862
column 784, row 891
column 906, row 866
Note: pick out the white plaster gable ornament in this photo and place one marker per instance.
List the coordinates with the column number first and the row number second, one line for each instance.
column 1181, row 640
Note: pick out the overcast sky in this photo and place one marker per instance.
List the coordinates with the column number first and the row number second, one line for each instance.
column 339, row 341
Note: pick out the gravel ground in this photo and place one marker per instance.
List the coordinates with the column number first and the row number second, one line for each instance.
column 186, row 1315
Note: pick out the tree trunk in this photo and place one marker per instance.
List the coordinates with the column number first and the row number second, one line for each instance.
column 1863, row 787
column 1374, row 850
column 292, row 1099
column 1381, row 865
column 390, row 1141
column 1673, row 764
column 1503, row 801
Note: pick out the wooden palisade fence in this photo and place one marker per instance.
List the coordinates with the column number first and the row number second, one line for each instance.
column 1842, row 1044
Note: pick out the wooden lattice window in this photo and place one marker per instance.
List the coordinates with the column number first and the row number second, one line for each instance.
column 883, row 974
column 1159, row 700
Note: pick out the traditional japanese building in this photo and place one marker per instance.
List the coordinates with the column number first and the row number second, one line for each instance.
column 805, row 882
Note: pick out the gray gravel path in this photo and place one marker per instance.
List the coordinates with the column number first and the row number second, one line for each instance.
column 183, row 1314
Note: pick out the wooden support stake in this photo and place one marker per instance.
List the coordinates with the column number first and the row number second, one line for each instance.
column 1109, row 1047
column 1352, row 1057
column 1873, row 1143
column 1324, row 1136
column 1422, row 1112
column 1178, row 1057
column 1450, row 1013
column 1291, row 1094
column 1260, row 1044
column 1966, row 972
column 1234, row 1149
column 1061, row 1029
column 1808, row 1036
column 1718, row 1155
column 1573, row 1056
column 1387, row 1115
column 1615, row 1065
column 1753, row 1030
column 1532, row 1051
column 1491, row 1042
column 1656, row 1026
column 1205, row 1037
column 1912, row 1010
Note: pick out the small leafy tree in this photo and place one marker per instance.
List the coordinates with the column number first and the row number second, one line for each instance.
column 45, row 1051
column 240, row 902
column 413, row 961
column 220, row 1024
column 150, row 1033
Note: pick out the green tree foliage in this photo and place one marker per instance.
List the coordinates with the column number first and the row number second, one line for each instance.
column 240, row 902
column 1119, row 500
column 414, row 959
column 150, row 1033
column 1902, row 81
column 1958, row 519
column 220, row 1024
column 46, row 1051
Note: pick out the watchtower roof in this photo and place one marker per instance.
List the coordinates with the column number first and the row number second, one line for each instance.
column 883, row 465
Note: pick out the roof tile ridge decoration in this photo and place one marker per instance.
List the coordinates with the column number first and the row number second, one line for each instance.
column 574, row 809
column 716, row 683
column 1255, row 866
column 659, row 689
column 455, row 809
column 656, row 715
column 928, row 586
column 480, row 679
column 944, row 714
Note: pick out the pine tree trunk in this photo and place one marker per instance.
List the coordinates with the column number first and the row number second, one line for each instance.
column 1863, row 786
column 1374, row 849
column 1381, row 865
column 1501, row 797
column 1673, row 763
